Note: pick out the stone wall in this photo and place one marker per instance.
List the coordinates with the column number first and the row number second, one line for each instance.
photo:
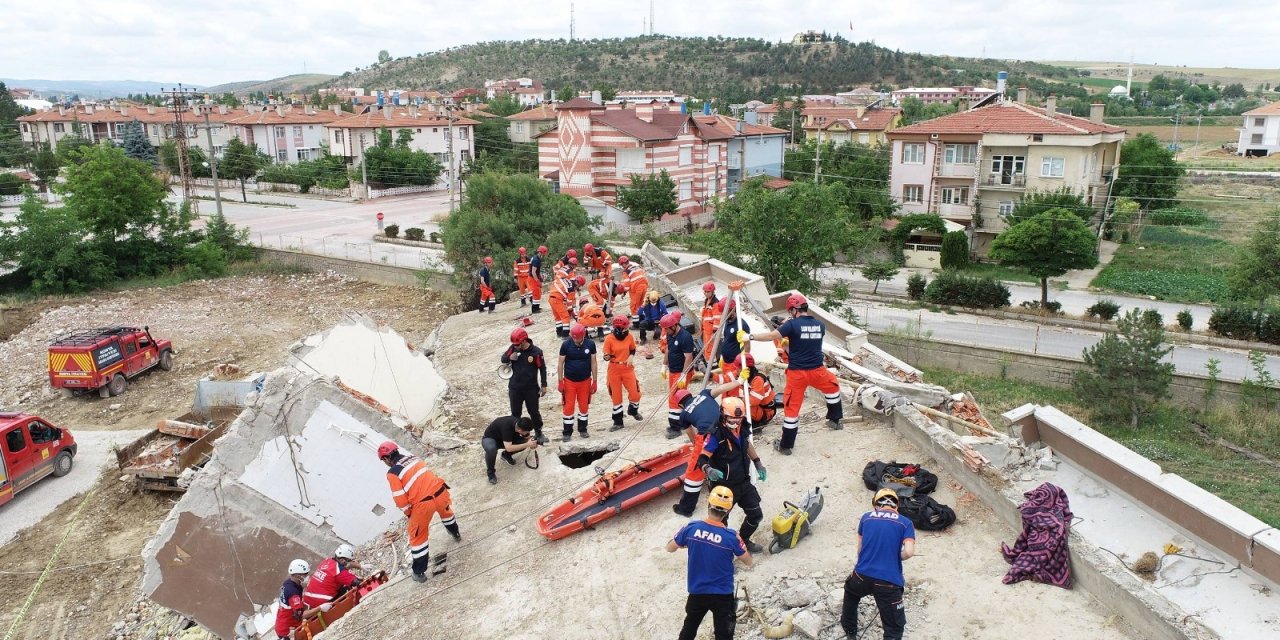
column 366, row 271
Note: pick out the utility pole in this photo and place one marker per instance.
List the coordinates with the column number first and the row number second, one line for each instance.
column 1197, row 145
column 364, row 168
column 448, row 136
column 817, row 159
column 213, row 164
column 179, row 98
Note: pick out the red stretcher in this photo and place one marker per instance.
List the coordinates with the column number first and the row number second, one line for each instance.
column 311, row 627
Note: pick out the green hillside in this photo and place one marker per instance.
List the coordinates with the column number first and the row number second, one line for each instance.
column 731, row 69
column 295, row 83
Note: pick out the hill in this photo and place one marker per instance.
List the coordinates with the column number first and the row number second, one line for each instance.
column 90, row 88
column 732, row 69
column 295, row 83
column 1116, row 72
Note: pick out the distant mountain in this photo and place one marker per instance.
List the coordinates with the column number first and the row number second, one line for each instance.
column 91, row 88
column 296, row 83
column 732, row 69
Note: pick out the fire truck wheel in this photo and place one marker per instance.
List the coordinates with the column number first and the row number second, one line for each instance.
column 118, row 385
column 62, row 464
column 166, row 360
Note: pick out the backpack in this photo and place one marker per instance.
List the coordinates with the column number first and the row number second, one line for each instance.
column 874, row 474
column 926, row 513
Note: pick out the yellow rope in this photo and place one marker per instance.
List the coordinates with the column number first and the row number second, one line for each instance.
column 48, row 568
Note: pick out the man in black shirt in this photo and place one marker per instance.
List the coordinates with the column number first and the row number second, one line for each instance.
column 509, row 433
column 527, row 366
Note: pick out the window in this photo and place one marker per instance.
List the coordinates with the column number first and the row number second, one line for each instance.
column 57, row 127
column 1051, row 167
column 519, row 127
column 442, row 158
column 960, row 154
column 24, row 127
column 282, row 155
column 1006, row 207
column 1006, row 167
column 463, row 132
column 686, row 190
column 864, row 138
column 955, row 195
column 630, row 161
column 155, row 129
column 1255, row 138
column 466, row 155
column 40, row 432
column 713, row 154
column 912, row 153
column 130, row 348
column 913, row 193
column 337, row 136
column 686, row 155
column 297, row 132
column 15, row 441
column 1259, row 122
column 279, row 132
column 435, row 129
column 713, row 187
column 305, row 154
column 1037, row 137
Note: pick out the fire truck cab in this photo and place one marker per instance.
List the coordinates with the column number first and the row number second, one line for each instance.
column 31, row 448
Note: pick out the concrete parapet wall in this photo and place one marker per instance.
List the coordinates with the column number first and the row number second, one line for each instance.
column 365, row 271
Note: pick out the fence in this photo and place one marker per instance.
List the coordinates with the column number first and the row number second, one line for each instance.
column 373, row 253
column 315, row 190
column 17, row 200
column 660, row 227
column 400, row 191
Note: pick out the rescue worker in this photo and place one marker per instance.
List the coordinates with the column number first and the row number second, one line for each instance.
column 619, row 348
column 699, row 416
column 781, row 345
column 509, row 433
column 293, row 610
column 486, row 287
column 528, row 368
column 589, row 261
column 711, row 310
column 726, row 460
column 637, row 285
column 885, row 539
column 806, row 368
column 649, row 315
column 679, row 348
column 730, row 348
column 712, row 548
column 333, row 578
column 762, row 399
column 600, row 260
column 535, row 279
column 604, row 289
column 567, row 262
column 577, row 379
column 591, row 316
column 420, row 494
column 521, row 272
column 563, row 297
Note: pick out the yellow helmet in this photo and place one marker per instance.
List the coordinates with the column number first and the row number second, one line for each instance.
column 653, row 296
column 885, row 498
column 721, row 498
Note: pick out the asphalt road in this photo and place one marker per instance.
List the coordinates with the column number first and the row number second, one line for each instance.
column 39, row 500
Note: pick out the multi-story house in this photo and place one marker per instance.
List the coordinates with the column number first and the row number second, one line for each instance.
column 859, row 124
column 526, row 125
column 285, row 133
column 430, row 126
column 527, row 90
column 594, row 149
column 98, row 122
column 972, row 167
column 935, row 95
column 1260, row 133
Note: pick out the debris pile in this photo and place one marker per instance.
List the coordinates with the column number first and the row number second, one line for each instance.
column 812, row 603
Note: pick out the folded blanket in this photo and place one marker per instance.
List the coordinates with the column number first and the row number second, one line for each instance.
column 1040, row 552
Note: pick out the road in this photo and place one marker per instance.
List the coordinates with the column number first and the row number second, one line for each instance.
column 33, row 504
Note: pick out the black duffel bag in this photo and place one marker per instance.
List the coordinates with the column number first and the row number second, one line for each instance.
column 874, row 474
column 926, row 513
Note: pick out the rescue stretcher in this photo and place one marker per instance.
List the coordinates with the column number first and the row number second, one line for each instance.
column 615, row 492
column 311, row 627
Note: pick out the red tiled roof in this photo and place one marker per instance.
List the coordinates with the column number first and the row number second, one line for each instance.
column 296, row 116
column 578, row 103
column 663, row 126
column 130, row 113
column 1008, row 118
column 729, row 126
column 1272, row 109
column 777, row 184
column 540, row 112
column 871, row 119
column 376, row 119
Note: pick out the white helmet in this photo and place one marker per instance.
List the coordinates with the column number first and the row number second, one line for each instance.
column 299, row 566
column 345, row 552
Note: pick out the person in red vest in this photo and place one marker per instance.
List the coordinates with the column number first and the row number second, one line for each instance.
column 487, row 299
column 292, row 610
column 333, row 578
column 711, row 310
column 535, row 279
column 420, row 494
column 521, row 272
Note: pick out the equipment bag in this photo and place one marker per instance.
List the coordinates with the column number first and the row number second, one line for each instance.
column 926, row 513
column 875, row 473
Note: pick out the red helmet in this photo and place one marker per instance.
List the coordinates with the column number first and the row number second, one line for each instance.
column 572, row 253
column 542, row 248
column 573, row 262
column 708, row 287
column 488, row 260
column 577, row 331
column 523, row 251
column 387, row 448
column 621, row 322
column 588, row 248
column 796, row 301
column 623, row 259
column 519, row 335
column 680, row 395
column 746, row 360
column 670, row 320
column 581, row 280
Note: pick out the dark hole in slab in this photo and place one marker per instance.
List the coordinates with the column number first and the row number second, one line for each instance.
column 579, row 459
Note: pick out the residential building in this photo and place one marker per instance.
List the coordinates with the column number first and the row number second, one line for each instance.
column 98, row 122
column 973, row 166
column 467, row 95
column 1260, row 133
column 352, row 134
column 636, row 97
column 934, row 95
column 594, row 149
column 859, row 124
column 285, row 133
column 526, row 125
column 527, row 90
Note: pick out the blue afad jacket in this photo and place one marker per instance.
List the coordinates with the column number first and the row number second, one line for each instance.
column 651, row 313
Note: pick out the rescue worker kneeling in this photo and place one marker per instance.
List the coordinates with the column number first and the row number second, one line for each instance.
column 420, row 494
column 726, row 459
column 333, row 578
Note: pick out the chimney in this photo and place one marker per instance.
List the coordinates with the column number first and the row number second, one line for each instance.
column 386, row 111
column 1095, row 112
column 88, row 109
column 595, row 97
column 337, row 109
column 1022, row 95
column 62, row 111
column 861, row 110
column 280, row 110
column 644, row 112
column 1051, row 105
column 310, row 111
column 741, row 127
column 151, row 109
column 124, row 109
column 222, row 109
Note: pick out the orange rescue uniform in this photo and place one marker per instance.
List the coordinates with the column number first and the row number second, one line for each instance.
column 637, row 287
column 622, row 374
column 562, row 298
column 523, row 280
column 420, row 494
column 710, row 324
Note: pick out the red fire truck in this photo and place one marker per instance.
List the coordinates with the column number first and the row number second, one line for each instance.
column 30, row 449
column 104, row 359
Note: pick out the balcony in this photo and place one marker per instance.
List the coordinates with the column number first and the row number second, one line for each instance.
column 1005, row 181
column 953, row 170
column 964, row 211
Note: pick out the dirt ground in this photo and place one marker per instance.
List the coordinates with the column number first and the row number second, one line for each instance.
column 248, row 321
column 617, row 581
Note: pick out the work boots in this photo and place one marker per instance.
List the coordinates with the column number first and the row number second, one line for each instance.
column 536, row 308
column 508, row 458
column 582, row 428
column 633, row 410
column 492, row 305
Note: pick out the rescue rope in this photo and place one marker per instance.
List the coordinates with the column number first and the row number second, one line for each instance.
column 48, row 568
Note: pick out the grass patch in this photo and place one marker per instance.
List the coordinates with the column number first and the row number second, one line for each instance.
column 1174, row 264
column 998, row 272
column 1167, row 437
column 257, row 203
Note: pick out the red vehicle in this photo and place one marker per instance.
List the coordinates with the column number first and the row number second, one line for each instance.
column 104, row 359
column 30, row 449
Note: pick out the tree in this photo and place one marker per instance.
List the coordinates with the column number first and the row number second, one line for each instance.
column 1125, row 376
column 13, row 151
column 1047, row 245
column 136, row 145
column 239, row 162
column 196, row 159
column 1255, row 275
column 505, row 105
column 48, row 245
column 500, row 213
column 955, row 250
column 1035, row 203
column 1234, row 91
column 396, row 165
column 45, row 165
column 496, row 153
column 914, row 110
column 607, row 91
column 786, row 235
column 649, row 197
column 1148, row 173
column 877, row 271
column 789, row 118
column 864, row 171
column 384, row 57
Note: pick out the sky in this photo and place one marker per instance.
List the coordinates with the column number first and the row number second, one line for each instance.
column 205, row 43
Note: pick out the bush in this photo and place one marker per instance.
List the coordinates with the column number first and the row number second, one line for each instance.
column 392, row 231
column 205, row 260
column 1104, row 309
column 1185, row 320
column 1152, row 317
column 1052, row 306
column 954, row 289
column 1179, row 217
column 414, row 233
column 10, row 184
column 955, row 250
column 1237, row 323
column 1269, row 327
column 915, row 286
